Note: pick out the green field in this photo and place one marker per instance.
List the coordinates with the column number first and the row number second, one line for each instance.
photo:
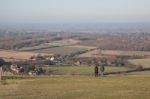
column 60, row 50
column 78, row 87
column 82, row 70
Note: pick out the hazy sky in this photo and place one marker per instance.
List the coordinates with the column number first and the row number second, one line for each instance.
column 74, row 10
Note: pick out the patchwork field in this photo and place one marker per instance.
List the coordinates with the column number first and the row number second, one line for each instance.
column 51, row 44
column 78, row 87
column 7, row 54
column 62, row 47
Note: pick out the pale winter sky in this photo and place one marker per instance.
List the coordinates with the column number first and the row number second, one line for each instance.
column 74, row 10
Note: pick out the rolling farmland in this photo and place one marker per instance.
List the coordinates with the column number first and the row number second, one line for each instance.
column 51, row 44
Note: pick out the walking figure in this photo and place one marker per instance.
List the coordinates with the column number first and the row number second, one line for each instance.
column 101, row 69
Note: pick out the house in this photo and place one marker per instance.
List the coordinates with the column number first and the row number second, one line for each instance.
column 52, row 58
column 15, row 68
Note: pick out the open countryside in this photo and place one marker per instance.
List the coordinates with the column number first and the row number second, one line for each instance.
column 74, row 49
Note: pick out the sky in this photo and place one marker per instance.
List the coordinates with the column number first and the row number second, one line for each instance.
column 51, row 11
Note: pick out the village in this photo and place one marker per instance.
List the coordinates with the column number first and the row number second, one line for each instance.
column 37, row 65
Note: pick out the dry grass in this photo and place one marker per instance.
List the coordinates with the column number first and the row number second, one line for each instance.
column 97, row 53
column 7, row 87
column 80, row 87
column 126, row 53
column 143, row 62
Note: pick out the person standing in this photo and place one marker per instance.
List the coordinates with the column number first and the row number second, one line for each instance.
column 96, row 71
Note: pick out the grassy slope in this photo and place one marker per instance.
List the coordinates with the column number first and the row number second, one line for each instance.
column 80, row 87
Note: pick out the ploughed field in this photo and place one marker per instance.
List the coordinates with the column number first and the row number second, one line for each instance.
column 16, row 55
column 77, row 87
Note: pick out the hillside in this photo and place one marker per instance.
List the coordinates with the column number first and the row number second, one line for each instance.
column 78, row 87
